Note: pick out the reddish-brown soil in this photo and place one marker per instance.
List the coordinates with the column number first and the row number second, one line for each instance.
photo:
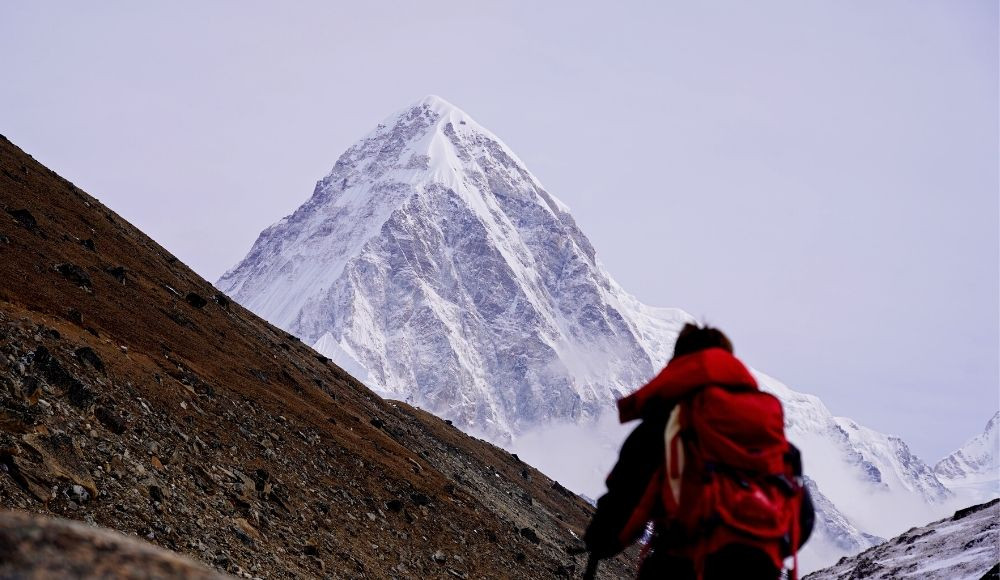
column 134, row 396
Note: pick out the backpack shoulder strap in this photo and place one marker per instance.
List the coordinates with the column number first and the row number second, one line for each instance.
column 674, row 446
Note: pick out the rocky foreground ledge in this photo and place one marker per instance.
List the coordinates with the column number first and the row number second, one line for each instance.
column 33, row 546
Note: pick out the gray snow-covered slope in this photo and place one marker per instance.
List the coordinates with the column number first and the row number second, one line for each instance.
column 432, row 265
column 964, row 546
column 974, row 470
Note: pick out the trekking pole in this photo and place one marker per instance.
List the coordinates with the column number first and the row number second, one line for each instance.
column 590, row 572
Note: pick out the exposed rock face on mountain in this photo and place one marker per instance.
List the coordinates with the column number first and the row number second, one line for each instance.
column 33, row 546
column 433, row 258
column 964, row 546
column 974, row 469
column 135, row 397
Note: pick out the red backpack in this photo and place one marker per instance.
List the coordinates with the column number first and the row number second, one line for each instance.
column 730, row 475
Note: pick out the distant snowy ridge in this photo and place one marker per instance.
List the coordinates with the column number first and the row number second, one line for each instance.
column 974, row 469
column 877, row 484
column 964, row 546
column 431, row 264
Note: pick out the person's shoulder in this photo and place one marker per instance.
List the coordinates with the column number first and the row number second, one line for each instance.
column 652, row 424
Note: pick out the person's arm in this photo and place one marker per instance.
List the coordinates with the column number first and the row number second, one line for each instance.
column 807, row 511
column 640, row 457
column 807, row 517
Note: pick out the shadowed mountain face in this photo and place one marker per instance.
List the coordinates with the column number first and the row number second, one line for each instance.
column 136, row 397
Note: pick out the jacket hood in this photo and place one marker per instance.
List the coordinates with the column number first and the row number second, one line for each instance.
column 713, row 366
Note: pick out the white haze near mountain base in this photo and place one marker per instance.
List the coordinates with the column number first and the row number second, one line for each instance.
column 833, row 533
column 556, row 449
column 433, row 264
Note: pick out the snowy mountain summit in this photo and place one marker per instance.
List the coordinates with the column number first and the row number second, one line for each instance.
column 434, row 265
column 975, row 467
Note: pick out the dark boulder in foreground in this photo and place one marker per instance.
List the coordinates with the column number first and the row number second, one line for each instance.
column 75, row 274
column 33, row 546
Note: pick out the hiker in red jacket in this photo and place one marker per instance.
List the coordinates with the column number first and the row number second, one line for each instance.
column 707, row 476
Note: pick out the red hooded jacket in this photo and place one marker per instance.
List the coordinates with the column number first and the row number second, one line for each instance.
column 684, row 374
column 632, row 497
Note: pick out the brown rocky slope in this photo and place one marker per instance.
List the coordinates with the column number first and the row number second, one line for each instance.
column 133, row 396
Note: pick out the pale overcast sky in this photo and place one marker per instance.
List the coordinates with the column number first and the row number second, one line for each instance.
column 819, row 179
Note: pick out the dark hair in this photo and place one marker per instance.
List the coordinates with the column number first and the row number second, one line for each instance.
column 693, row 338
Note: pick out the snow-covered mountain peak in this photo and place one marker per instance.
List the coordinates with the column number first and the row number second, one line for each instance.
column 439, row 140
column 974, row 469
column 444, row 113
column 432, row 258
column 438, row 104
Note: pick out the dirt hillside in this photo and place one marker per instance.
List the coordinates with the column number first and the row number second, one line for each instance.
column 134, row 396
